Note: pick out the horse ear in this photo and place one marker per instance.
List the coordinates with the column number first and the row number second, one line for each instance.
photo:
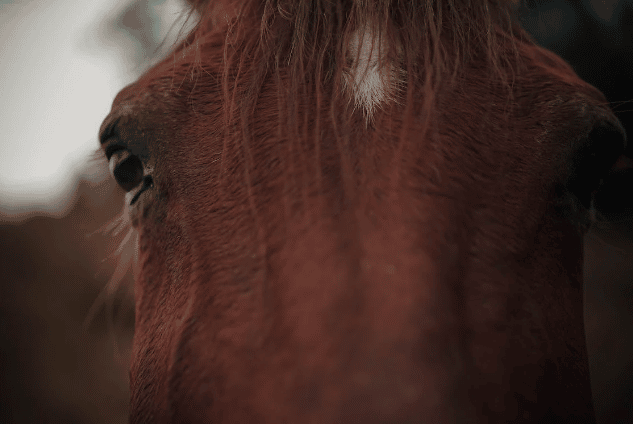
column 602, row 171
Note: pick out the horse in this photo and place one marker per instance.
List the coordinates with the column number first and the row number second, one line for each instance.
column 360, row 211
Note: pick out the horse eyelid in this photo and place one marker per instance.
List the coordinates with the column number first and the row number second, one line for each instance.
column 112, row 149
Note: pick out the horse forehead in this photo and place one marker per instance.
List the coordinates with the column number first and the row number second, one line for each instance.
column 370, row 80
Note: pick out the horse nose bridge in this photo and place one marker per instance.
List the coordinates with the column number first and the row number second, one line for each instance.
column 384, row 268
column 376, row 321
column 374, row 378
column 372, row 274
column 399, row 384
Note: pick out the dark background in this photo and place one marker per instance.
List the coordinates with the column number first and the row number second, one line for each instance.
column 596, row 38
column 55, row 370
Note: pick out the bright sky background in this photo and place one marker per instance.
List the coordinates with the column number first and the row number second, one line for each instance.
column 57, row 83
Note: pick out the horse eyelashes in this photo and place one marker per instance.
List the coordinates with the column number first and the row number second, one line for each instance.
column 111, row 149
column 126, row 168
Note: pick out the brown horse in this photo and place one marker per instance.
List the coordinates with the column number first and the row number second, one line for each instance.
column 360, row 211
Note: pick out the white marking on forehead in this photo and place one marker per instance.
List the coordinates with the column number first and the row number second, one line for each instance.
column 371, row 79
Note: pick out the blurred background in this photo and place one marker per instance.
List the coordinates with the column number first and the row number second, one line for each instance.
column 61, row 64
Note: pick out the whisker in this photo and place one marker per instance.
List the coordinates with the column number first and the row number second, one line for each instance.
column 125, row 255
column 109, row 226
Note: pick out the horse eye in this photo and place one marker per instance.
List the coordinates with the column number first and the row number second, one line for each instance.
column 126, row 168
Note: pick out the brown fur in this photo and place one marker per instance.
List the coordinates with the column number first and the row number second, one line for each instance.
column 298, row 266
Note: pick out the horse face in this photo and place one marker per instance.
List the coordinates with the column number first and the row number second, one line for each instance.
column 390, row 279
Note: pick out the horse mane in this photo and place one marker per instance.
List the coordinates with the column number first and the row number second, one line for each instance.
column 415, row 44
